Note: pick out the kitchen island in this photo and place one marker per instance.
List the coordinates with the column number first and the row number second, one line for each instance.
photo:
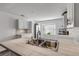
column 20, row 47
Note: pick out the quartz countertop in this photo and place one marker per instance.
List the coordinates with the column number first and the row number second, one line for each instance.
column 20, row 47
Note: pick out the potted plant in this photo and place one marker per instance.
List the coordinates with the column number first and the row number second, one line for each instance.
column 48, row 33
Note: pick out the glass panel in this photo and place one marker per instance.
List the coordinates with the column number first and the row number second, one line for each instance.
column 50, row 29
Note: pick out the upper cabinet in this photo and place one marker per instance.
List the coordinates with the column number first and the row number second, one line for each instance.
column 24, row 24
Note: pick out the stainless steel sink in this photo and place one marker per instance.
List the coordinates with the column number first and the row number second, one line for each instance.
column 44, row 43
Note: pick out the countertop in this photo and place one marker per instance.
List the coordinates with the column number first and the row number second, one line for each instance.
column 20, row 47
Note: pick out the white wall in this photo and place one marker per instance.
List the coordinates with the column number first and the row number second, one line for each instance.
column 7, row 26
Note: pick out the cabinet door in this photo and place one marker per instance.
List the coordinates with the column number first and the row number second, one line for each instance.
column 70, row 14
column 30, row 25
column 26, row 24
column 21, row 24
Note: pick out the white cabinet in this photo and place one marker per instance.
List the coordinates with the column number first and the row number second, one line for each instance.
column 24, row 24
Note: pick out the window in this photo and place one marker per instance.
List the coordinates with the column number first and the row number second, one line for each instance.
column 50, row 29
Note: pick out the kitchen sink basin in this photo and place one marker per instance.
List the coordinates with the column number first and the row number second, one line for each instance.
column 53, row 44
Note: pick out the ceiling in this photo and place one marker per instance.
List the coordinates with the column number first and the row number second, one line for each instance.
column 35, row 11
